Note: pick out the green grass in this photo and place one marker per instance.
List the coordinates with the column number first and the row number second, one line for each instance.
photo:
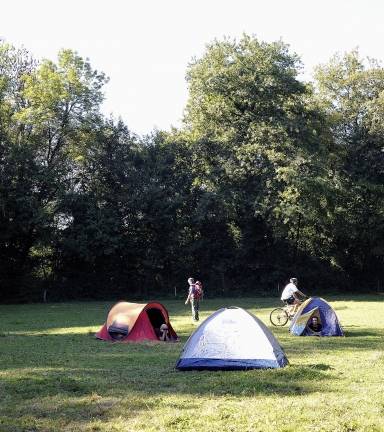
column 56, row 376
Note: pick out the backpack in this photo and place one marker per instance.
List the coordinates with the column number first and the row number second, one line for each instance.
column 198, row 291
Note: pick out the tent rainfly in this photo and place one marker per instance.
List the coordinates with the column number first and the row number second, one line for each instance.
column 134, row 322
column 318, row 307
column 231, row 339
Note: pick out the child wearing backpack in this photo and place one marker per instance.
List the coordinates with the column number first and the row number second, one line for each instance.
column 195, row 293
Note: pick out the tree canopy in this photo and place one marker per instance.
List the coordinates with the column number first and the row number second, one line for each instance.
column 267, row 178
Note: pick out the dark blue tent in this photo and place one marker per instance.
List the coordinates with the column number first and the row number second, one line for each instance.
column 319, row 308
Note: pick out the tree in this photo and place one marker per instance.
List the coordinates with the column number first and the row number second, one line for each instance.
column 49, row 110
column 111, row 232
column 351, row 91
column 256, row 147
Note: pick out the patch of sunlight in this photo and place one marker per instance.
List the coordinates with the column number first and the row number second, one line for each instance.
column 56, row 331
column 29, row 372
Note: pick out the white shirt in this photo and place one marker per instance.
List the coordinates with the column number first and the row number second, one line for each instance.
column 288, row 291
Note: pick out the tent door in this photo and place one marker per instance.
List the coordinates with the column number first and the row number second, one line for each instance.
column 156, row 317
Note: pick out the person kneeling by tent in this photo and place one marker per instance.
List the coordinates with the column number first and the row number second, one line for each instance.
column 163, row 333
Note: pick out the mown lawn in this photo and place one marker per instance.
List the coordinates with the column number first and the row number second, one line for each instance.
column 56, row 376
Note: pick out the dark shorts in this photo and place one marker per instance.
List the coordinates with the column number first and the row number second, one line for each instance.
column 290, row 300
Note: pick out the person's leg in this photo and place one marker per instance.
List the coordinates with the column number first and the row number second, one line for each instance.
column 197, row 303
column 295, row 306
column 291, row 306
column 195, row 309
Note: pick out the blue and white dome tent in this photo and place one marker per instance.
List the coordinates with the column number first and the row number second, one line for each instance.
column 231, row 339
column 316, row 307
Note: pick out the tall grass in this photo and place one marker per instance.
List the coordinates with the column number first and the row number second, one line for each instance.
column 56, row 376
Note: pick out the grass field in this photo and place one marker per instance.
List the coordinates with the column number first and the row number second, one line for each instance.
column 56, row 376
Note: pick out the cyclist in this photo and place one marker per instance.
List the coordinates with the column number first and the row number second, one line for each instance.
column 289, row 295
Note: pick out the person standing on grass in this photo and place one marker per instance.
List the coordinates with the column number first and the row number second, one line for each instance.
column 194, row 296
column 289, row 295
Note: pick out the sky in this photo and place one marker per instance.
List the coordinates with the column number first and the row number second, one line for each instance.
column 144, row 46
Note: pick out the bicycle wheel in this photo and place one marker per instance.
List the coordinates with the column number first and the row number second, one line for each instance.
column 278, row 317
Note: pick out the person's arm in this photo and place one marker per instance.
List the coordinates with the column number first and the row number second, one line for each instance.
column 302, row 294
column 188, row 298
column 164, row 336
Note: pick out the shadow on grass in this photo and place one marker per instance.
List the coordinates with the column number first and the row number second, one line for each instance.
column 361, row 333
column 80, row 382
column 76, row 366
column 320, row 367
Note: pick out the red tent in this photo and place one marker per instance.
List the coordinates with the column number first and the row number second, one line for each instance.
column 134, row 322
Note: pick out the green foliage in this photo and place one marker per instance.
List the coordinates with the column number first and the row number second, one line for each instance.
column 237, row 87
column 268, row 178
column 52, row 108
column 351, row 91
column 61, row 95
column 256, row 151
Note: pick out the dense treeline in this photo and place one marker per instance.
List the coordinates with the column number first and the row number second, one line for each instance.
column 268, row 178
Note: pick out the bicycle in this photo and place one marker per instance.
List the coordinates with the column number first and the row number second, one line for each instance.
column 280, row 315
